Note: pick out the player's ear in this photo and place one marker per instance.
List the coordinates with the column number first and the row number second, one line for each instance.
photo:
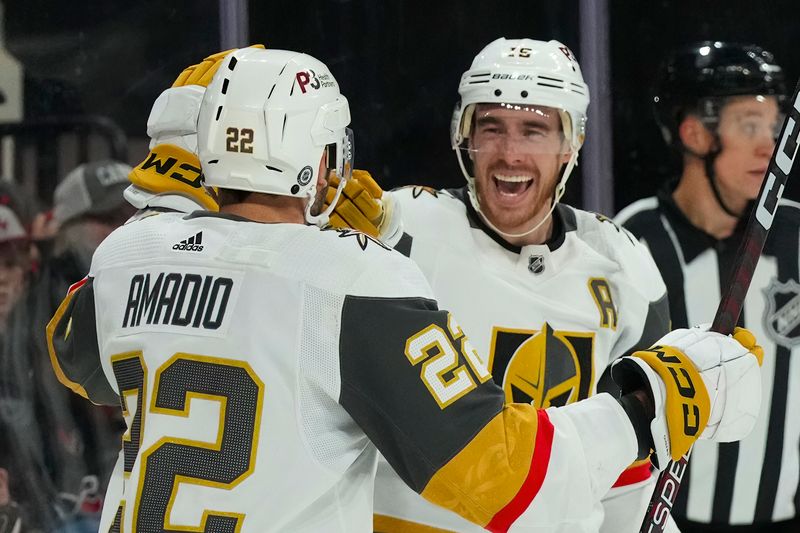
column 695, row 136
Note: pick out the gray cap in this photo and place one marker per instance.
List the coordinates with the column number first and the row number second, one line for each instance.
column 91, row 188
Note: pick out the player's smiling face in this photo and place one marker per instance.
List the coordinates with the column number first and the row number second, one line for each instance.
column 517, row 153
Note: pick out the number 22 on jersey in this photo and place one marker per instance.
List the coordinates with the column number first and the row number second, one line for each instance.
column 172, row 461
column 436, row 349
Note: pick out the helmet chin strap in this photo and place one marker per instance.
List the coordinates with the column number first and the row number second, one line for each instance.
column 557, row 194
column 708, row 162
column 323, row 218
column 517, row 235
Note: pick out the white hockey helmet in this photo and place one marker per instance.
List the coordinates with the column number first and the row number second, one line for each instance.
column 523, row 71
column 265, row 121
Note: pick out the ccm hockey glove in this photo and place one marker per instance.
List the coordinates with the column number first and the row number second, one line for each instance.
column 703, row 385
column 365, row 207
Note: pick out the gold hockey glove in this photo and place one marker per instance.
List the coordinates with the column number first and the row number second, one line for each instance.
column 182, row 177
column 360, row 206
column 703, row 385
column 201, row 73
column 170, row 175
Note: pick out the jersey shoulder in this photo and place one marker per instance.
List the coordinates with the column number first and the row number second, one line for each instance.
column 643, row 218
column 346, row 261
column 423, row 208
column 617, row 244
column 603, row 235
column 338, row 261
column 640, row 212
column 788, row 211
column 785, row 228
column 137, row 240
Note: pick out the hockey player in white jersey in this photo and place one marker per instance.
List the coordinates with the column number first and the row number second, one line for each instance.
column 549, row 293
column 261, row 366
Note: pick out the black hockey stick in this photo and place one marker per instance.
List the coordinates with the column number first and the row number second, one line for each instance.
column 781, row 166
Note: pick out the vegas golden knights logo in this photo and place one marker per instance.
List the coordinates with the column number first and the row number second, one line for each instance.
column 547, row 368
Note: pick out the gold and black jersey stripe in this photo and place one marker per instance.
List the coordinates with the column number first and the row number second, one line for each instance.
column 72, row 344
column 475, row 456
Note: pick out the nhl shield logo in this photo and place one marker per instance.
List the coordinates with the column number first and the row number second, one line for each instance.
column 536, row 264
column 782, row 316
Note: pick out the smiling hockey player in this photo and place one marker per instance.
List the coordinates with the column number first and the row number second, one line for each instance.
column 549, row 293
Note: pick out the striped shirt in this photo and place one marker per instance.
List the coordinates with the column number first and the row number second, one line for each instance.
column 754, row 481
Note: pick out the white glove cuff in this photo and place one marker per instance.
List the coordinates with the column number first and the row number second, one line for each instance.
column 174, row 114
column 391, row 228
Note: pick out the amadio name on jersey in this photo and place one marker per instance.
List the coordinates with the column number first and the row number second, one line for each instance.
column 177, row 299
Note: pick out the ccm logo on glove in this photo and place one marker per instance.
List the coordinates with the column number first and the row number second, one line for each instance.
column 689, row 415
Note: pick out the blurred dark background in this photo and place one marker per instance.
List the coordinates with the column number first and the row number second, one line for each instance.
column 399, row 64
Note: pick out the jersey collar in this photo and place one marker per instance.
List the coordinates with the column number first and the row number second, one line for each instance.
column 692, row 239
column 214, row 214
column 563, row 222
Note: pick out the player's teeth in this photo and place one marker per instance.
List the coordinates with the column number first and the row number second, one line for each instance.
column 513, row 178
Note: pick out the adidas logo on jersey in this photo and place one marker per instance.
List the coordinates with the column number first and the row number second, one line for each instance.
column 192, row 244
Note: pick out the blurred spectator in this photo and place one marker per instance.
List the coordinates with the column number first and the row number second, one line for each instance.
column 24, row 489
column 65, row 444
column 88, row 206
column 14, row 263
column 11, row 514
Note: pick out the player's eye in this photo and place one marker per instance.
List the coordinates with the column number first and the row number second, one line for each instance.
column 749, row 128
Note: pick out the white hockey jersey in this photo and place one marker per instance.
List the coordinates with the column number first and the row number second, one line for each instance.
column 259, row 367
column 549, row 318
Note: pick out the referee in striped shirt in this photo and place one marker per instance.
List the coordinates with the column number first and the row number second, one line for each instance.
column 718, row 103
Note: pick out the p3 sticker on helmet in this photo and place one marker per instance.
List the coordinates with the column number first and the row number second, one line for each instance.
column 313, row 80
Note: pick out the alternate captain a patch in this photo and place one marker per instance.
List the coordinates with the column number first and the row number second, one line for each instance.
column 782, row 314
column 546, row 367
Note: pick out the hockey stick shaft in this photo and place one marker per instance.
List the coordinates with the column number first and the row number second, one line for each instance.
column 781, row 166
